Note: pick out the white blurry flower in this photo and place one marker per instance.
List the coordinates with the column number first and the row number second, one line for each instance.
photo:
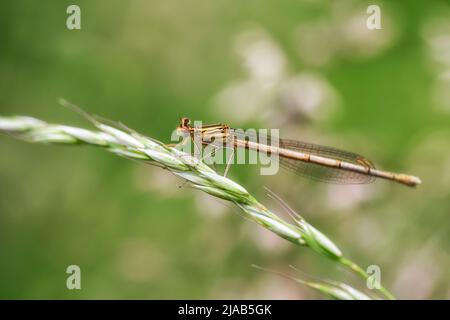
column 345, row 33
column 269, row 92
column 436, row 34
column 242, row 100
column 308, row 94
column 248, row 98
column 261, row 56
column 359, row 41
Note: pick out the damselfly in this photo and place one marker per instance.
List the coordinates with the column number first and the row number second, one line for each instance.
column 322, row 163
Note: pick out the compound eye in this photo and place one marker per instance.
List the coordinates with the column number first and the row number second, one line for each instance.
column 186, row 122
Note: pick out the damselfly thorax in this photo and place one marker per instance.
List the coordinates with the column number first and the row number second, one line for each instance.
column 322, row 163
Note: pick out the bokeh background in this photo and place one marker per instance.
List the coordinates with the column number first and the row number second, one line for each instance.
column 311, row 68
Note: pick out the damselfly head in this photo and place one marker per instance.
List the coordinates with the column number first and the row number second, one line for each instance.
column 185, row 125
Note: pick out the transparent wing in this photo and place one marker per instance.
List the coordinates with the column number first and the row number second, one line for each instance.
column 323, row 173
column 313, row 170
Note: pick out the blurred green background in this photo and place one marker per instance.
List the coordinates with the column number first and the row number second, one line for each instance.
column 309, row 67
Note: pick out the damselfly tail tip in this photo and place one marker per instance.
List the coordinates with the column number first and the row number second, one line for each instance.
column 408, row 180
column 416, row 181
